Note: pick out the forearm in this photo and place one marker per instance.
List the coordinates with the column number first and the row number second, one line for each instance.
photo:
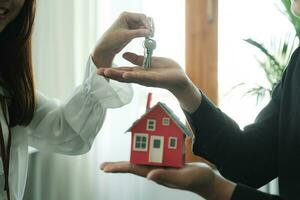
column 102, row 58
column 219, row 139
column 225, row 189
column 221, row 189
column 189, row 97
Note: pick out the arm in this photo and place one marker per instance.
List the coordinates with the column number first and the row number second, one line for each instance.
column 219, row 139
column 198, row 178
column 71, row 127
column 251, row 152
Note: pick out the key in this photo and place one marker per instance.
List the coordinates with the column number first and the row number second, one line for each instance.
column 149, row 45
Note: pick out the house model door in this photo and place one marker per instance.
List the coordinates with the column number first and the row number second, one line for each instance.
column 156, row 149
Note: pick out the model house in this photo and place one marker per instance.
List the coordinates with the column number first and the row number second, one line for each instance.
column 158, row 138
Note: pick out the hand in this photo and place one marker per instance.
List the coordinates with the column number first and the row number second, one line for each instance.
column 198, row 178
column 164, row 73
column 127, row 27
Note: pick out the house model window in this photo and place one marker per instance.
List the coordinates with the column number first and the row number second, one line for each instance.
column 156, row 144
column 166, row 121
column 140, row 142
column 151, row 123
column 172, row 143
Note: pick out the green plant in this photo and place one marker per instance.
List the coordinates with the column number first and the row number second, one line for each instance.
column 286, row 10
column 275, row 57
column 273, row 62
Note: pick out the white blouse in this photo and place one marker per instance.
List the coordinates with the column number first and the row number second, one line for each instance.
column 68, row 128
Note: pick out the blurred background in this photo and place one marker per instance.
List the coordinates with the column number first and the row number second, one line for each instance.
column 205, row 37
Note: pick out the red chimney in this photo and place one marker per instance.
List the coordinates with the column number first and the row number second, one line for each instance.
column 149, row 98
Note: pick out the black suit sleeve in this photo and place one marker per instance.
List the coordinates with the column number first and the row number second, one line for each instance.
column 246, row 156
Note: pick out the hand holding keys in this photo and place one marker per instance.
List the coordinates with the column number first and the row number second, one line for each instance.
column 149, row 45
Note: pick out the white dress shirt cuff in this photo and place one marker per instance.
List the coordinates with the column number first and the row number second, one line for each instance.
column 111, row 94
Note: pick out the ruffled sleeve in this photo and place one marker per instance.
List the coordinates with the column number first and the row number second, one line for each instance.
column 71, row 126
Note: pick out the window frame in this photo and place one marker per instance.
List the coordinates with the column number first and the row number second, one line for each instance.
column 176, row 143
column 163, row 121
column 154, row 125
column 134, row 142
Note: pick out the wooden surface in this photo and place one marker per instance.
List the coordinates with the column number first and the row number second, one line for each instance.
column 202, row 50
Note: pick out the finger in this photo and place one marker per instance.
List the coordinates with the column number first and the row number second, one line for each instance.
column 141, row 77
column 125, row 167
column 131, row 75
column 134, row 58
column 102, row 166
column 101, row 70
column 126, row 69
column 137, row 33
column 146, row 21
column 116, row 73
column 122, row 166
column 112, row 74
column 137, row 20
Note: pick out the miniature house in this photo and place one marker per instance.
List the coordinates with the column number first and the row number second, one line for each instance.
column 158, row 138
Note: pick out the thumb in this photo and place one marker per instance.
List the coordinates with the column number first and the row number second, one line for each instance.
column 134, row 58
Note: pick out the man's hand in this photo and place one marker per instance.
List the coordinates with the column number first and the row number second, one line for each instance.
column 198, row 178
column 164, row 73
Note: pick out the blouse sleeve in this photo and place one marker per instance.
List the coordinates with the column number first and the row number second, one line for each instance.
column 71, row 126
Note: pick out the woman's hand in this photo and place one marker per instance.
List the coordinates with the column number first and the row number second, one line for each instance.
column 127, row 27
column 164, row 73
column 198, row 178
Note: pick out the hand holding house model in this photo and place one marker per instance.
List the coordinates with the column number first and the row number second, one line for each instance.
column 158, row 137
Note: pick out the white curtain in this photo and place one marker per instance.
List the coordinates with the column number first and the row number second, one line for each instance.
column 65, row 32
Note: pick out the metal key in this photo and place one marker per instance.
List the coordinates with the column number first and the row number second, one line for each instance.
column 149, row 45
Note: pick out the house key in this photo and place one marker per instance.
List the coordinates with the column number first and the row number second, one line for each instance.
column 149, row 45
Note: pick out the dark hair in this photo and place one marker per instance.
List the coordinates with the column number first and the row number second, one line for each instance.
column 16, row 73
